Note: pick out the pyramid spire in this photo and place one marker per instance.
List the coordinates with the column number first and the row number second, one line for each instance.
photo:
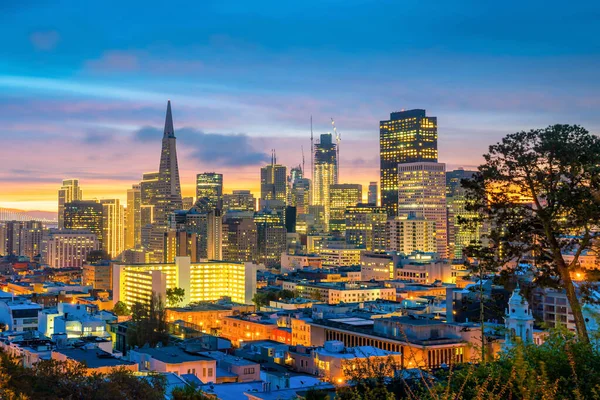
column 169, row 130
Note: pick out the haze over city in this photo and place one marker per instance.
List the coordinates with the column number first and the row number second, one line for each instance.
column 83, row 87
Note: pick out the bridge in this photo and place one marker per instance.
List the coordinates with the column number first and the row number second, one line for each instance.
column 10, row 214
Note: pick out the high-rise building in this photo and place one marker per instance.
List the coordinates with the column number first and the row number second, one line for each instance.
column 271, row 237
column 202, row 281
column 239, row 200
column 168, row 187
column 181, row 244
column 342, row 196
column 133, row 236
column 210, row 185
column 69, row 191
column 459, row 236
column 23, row 238
column 206, row 222
column 66, row 248
column 422, row 191
column 273, row 181
column 187, row 202
column 98, row 276
column 239, row 237
column 372, row 195
column 409, row 234
column 324, row 172
column 85, row 216
column 407, row 137
column 365, row 227
column 113, row 225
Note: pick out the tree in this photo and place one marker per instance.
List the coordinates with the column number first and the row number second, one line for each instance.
column 175, row 296
column 541, row 192
column 148, row 323
column 121, row 309
column 188, row 392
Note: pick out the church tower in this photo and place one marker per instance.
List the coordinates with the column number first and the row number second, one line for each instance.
column 518, row 320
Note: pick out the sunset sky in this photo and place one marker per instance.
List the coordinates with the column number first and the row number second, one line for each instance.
column 84, row 85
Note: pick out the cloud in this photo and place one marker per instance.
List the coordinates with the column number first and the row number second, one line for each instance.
column 96, row 137
column 115, row 60
column 44, row 40
column 230, row 150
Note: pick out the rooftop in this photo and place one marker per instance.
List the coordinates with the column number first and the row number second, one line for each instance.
column 171, row 354
column 93, row 358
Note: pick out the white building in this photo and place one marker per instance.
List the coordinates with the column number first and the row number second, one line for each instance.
column 19, row 315
column 518, row 320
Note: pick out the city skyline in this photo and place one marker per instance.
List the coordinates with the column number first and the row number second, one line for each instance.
column 91, row 106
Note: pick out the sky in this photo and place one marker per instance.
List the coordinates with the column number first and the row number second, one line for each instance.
column 84, row 85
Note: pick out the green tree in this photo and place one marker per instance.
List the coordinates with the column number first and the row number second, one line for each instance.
column 175, row 296
column 188, row 392
column 121, row 309
column 540, row 191
column 148, row 323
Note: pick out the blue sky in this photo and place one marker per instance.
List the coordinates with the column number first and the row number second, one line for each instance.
column 80, row 82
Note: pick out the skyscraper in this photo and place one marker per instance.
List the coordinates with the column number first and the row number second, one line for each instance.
column 113, row 227
column 372, row 195
column 86, row 216
column 422, row 191
column 168, row 186
column 239, row 200
column 69, row 191
column 270, row 237
column 239, row 237
column 133, row 237
column 407, row 137
column 342, row 196
column 273, row 181
column 324, row 172
column 365, row 227
column 210, row 185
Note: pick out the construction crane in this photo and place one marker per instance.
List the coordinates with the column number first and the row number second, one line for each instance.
column 338, row 138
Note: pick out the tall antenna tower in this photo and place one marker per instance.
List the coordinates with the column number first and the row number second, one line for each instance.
column 338, row 139
column 312, row 160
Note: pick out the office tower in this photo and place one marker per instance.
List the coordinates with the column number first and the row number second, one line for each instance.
column 206, row 222
column 113, row 227
column 187, row 202
column 341, row 196
column 69, row 191
column 273, row 181
column 271, row 237
column 299, row 195
column 407, row 137
column 372, row 196
column 133, row 237
column 168, row 188
column 3, row 238
column 181, row 244
column 365, row 227
column 239, row 237
column 409, row 234
column 67, row 248
column 210, row 185
column 459, row 236
column 422, row 191
column 324, row 172
column 202, row 281
column 85, row 216
column 239, row 200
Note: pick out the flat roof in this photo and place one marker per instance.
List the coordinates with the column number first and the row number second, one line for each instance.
column 172, row 354
column 93, row 358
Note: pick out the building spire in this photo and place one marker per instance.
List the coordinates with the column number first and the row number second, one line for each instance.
column 169, row 130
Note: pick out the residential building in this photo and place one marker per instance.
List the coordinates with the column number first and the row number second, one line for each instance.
column 207, row 317
column 175, row 359
column 376, row 266
column 411, row 233
column 69, row 248
column 337, row 292
column 203, row 281
column 94, row 360
column 98, row 276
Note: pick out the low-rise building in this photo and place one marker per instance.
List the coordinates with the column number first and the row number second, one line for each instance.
column 207, row 317
column 94, row 360
column 334, row 293
column 244, row 370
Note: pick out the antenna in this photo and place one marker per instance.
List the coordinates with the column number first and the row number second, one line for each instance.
column 302, row 149
column 312, row 157
column 338, row 139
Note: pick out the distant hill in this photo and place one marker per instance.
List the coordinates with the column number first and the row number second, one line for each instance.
column 35, row 214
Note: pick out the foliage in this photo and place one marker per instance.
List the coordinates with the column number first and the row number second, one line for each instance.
column 54, row 380
column 121, row 309
column 540, row 192
column 148, row 324
column 175, row 296
column 265, row 297
column 189, row 392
